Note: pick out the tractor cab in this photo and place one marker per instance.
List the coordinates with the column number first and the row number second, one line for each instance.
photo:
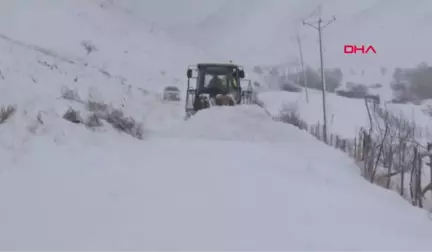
column 213, row 84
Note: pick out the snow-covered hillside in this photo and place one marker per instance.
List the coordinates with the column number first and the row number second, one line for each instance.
column 226, row 179
column 129, row 62
column 124, row 46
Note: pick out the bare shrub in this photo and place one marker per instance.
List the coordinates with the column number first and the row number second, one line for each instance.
column 125, row 124
column 6, row 112
column 290, row 86
column 333, row 78
column 73, row 116
column 290, row 115
column 113, row 116
column 70, row 94
column 103, row 112
column 95, row 106
column 93, row 121
column 353, row 91
column 411, row 84
column 88, row 46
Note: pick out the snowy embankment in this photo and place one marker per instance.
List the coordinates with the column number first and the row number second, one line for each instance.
column 197, row 194
column 347, row 116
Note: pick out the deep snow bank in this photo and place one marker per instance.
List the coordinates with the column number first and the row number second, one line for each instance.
column 174, row 194
column 238, row 123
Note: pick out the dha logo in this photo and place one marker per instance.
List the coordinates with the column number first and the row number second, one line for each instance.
column 354, row 49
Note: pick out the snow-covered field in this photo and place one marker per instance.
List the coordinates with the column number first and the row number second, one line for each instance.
column 345, row 116
column 227, row 179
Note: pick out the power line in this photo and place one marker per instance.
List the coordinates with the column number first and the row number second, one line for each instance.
column 320, row 26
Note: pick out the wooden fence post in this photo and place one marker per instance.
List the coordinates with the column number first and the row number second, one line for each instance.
column 355, row 149
column 415, row 187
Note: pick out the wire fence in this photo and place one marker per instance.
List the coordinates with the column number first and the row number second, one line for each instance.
column 387, row 164
column 388, row 153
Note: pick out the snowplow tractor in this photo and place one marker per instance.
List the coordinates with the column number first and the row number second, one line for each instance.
column 215, row 84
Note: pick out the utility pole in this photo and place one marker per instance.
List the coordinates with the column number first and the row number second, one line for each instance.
column 320, row 27
column 303, row 68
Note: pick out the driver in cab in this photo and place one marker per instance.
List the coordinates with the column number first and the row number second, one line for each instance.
column 215, row 86
column 222, row 92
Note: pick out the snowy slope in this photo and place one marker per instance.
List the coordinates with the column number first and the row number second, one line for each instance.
column 33, row 79
column 125, row 47
column 42, row 58
column 65, row 187
column 122, row 194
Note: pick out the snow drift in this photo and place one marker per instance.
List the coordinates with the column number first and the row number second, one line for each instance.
column 247, row 123
column 178, row 194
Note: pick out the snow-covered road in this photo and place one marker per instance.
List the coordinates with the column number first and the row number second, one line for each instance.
column 194, row 193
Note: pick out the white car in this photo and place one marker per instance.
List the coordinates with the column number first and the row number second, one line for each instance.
column 171, row 93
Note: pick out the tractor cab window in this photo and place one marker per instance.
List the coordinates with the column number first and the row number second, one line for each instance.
column 220, row 80
column 214, row 80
